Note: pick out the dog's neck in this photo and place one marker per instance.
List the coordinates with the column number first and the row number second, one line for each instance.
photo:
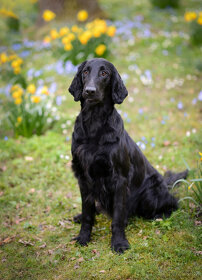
column 95, row 116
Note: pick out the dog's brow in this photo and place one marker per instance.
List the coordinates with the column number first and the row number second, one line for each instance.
column 102, row 68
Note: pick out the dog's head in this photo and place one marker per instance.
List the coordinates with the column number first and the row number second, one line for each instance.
column 97, row 80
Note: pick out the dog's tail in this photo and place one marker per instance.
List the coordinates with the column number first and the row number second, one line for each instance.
column 170, row 177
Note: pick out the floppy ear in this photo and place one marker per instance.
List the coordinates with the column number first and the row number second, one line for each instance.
column 76, row 86
column 119, row 91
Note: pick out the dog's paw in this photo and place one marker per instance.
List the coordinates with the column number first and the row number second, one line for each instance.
column 119, row 246
column 82, row 239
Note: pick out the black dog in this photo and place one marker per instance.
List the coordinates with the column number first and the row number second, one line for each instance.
column 111, row 169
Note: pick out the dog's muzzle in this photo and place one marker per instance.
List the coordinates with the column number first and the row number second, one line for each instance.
column 89, row 92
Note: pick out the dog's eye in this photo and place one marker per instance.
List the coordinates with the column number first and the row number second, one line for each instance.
column 104, row 73
column 85, row 73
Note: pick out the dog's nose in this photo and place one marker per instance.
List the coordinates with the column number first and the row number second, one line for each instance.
column 90, row 90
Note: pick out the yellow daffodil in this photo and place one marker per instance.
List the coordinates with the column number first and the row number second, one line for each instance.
column 36, row 99
column 15, row 87
column 48, row 15
column 8, row 13
column 44, row 90
column 47, row 39
column 75, row 29
column 199, row 20
column 100, row 49
column 190, row 16
column 54, row 34
column 18, row 101
column 82, row 15
column 17, row 70
column 31, row 88
column 71, row 36
column 15, row 63
column 17, row 93
column 65, row 40
column 96, row 33
column 111, row 31
column 19, row 119
column 3, row 58
column 63, row 31
column 85, row 37
column 68, row 47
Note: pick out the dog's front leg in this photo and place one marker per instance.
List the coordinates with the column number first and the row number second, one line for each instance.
column 119, row 243
column 87, row 216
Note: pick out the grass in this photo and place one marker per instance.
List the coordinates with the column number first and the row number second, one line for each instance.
column 39, row 194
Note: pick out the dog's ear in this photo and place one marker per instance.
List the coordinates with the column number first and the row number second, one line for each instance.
column 76, row 86
column 119, row 91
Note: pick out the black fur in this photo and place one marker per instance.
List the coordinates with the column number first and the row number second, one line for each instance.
column 111, row 169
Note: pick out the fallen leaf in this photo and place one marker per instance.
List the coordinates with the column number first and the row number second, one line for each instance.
column 47, row 210
column 27, row 158
column 50, row 194
column 69, row 195
column 7, row 240
column 26, row 243
column 73, row 258
column 140, row 232
column 3, row 168
column 50, row 252
column 17, row 221
column 166, row 143
column 159, row 220
column 197, row 223
column 62, row 223
column 81, row 259
column 76, row 266
column 196, row 252
column 32, row 190
column 42, row 246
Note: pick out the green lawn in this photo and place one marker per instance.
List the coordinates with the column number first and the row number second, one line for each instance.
column 39, row 194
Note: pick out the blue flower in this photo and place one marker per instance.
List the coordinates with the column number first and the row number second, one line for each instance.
column 141, row 111
column 24, row 53
column 16, row 47
column 200, row 96
column 38, row 73
column 59, row 67
column 30, row 73
column 180, row 105
column 6, row 138
column 58, row 100
column 53, row 87
column 165, row 52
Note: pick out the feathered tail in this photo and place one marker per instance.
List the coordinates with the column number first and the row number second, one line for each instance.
column 171, row 177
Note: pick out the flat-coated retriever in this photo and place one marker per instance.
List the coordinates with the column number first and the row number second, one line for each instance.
column 112, row 171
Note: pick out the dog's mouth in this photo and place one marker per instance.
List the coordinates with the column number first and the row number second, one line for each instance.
column 90, row 99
